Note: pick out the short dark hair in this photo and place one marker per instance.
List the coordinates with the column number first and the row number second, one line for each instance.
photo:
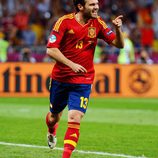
column 76, row 2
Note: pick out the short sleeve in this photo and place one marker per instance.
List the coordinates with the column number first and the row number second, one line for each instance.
column 105, row 32
column 57, row 34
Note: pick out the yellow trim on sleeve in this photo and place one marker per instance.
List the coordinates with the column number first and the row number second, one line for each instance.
column 60, row 20
column 102, row 23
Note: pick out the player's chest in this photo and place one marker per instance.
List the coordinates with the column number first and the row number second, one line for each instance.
column 82, row 32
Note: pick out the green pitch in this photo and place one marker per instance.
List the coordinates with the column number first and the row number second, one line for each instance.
column 111, row 128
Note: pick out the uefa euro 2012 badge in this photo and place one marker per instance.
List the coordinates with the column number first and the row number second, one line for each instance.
column 52, row 38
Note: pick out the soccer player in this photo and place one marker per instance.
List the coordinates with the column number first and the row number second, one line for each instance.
column 72, row 43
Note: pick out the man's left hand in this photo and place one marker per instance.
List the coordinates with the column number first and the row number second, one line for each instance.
column 117, row 22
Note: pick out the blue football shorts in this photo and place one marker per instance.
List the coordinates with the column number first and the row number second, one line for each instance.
column 75, row 96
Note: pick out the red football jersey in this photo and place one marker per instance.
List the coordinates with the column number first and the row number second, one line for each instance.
column 77, row 42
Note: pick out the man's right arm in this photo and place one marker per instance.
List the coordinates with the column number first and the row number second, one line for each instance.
column 56, row 54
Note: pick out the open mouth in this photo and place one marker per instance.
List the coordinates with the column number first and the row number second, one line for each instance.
column 95, row 12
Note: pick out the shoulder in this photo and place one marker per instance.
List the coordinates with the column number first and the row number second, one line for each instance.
column 66, row 17
column 63, row 20
column 101, row 22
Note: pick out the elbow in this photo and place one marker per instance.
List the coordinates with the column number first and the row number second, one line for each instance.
column 118, row 43
column 51, row 52
column 48, row 51
column 121, row 46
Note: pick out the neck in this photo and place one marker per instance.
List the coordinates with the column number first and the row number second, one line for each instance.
column 81, row 19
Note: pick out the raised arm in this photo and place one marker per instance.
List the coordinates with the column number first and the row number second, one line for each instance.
column 119, row 41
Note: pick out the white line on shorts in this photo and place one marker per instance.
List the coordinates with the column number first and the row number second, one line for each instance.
column 79, row 151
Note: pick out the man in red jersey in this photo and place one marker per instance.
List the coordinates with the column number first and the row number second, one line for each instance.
column 72, row 43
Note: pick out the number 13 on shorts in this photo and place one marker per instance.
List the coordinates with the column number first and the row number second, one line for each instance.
column 84, row 102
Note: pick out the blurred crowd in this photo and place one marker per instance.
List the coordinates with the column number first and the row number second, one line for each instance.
column 25, row 26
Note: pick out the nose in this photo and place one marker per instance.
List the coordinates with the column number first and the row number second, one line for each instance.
column 96, row 6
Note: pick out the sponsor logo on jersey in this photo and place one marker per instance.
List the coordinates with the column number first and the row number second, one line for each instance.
column 71, row 31
column 92, row 32
column 52, row 38
column 90, row 42
column 73, row 135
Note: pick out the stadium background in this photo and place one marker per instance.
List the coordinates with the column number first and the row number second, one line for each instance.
column 124, row 104
column 27, row 24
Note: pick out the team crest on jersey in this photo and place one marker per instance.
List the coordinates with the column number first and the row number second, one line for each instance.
column 52, row 38
column 92, row 32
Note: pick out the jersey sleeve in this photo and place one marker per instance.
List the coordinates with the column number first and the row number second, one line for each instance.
column 105, row 32
column 57, row 34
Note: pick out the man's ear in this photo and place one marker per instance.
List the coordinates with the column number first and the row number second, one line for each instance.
column 80, row 7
